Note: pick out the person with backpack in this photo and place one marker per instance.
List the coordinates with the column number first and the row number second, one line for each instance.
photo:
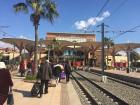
column 57, row 72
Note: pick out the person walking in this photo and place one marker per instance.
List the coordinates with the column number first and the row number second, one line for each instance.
column 29, row 68
column 67, row 70
column 57, row 71
column 22, row 68
column 6, row 83
column 45, row 75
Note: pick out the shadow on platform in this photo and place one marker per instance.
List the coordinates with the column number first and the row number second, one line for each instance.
column 23, row 92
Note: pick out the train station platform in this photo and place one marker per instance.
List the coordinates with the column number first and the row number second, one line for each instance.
column 62, row 94
column 121, row 72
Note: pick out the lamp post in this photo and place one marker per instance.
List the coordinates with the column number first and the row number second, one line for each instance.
column 102, row 52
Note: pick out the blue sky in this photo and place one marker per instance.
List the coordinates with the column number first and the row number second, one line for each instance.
column 72, row 12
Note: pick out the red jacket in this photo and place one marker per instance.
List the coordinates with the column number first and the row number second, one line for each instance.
column 5, row 81
column 22, row 66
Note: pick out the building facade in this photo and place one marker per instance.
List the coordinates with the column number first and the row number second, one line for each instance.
column 72, row 54
column 77, row 37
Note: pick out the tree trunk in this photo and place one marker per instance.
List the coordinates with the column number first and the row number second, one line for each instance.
column 36, row 49
column 20, row 56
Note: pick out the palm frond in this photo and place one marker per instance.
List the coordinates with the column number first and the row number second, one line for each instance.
column 33, row 4
column 49, row 11
column 20, row 7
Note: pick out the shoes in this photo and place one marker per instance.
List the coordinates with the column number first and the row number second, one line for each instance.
column 40, row 96
column 46, row 92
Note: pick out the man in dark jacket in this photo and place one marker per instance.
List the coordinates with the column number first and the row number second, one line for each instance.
column 67, row 70
column 45, row 76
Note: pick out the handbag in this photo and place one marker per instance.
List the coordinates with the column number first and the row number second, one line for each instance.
column 10, row 99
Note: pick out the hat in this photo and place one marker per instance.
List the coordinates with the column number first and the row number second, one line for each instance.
column 47, row 61
column 2, row 65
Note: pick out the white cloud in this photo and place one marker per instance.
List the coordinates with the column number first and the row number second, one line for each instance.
column 91, row 21
column 22, row 37
column 80, row 24
column 84, row 24
column 106, row 14
column 99, row 19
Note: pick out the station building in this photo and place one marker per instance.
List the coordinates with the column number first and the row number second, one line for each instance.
column 80, row 56
column 77, row 37
column 73, row 53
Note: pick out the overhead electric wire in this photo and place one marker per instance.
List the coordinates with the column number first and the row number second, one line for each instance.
column 126, row 31
column 122, row 4
column 116, row 9
column 105, row 4
column 100, row 11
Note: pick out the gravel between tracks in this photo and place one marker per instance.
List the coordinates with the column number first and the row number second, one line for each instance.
column 128, row 94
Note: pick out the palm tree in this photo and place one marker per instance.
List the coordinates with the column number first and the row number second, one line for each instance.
column 45, row 9
column 108, row 43
column 57, row 47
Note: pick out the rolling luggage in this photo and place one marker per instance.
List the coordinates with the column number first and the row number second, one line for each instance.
column 10, row 99
column 62, row 75
column 35, row 89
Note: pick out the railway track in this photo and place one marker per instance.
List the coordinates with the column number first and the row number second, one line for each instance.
column 95, row 93
column 124, row 78
column 118, row 80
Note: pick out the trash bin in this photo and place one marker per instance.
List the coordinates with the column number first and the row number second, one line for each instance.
column 104, row 79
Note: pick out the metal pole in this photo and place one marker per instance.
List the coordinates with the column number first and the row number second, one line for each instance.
column 102, row 52
column 128, row 61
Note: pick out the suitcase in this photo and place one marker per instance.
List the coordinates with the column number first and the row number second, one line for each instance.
column 35, row 89
column 62, row 75
column 10, row 99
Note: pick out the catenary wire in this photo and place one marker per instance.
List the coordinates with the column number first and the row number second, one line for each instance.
column 126, row 31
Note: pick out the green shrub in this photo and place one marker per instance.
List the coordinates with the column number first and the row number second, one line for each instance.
column 110, row 67
column 30, row 77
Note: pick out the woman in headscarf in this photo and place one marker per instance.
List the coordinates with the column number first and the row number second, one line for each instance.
column 5, row 83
